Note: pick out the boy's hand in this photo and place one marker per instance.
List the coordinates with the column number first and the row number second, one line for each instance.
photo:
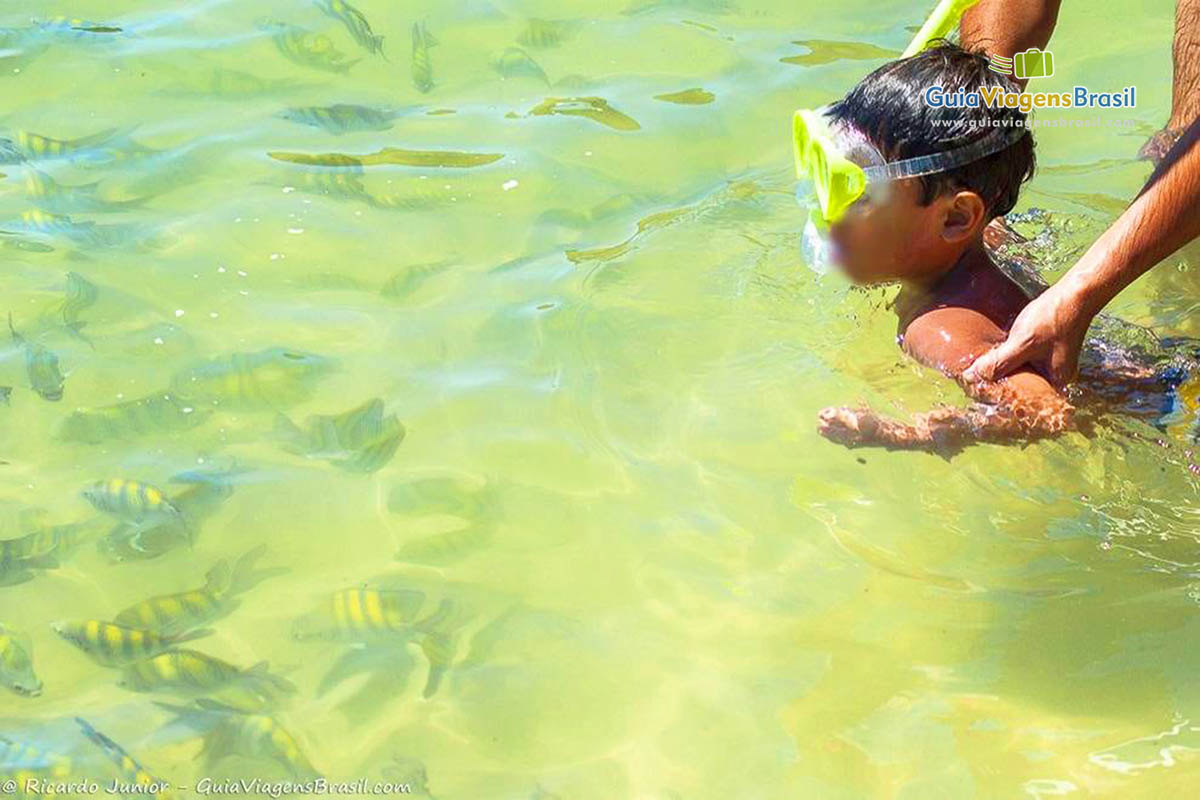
column 849, row 426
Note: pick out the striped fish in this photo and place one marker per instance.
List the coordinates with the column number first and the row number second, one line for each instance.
column 273, row 377
column 151, row 415
column 131, row 501
column 134, row 780
column 50, row 195
column 340, row 184
column 36, row 147
column 359, row 440
column 175, row 613
column 22, row 762
column 342, row 118
column 16, row 664
column 112, row 645
column 543, row 33
column 422, row 64
column 41, row 549
column 250, row 736
column 193, row 674
column 313, row 50
column 41, row 365
column 363, row 615
column 355, row 22
column 139, row 541
column 80, row 294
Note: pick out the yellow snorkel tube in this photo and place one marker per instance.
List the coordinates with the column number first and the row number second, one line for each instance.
column 837, row 181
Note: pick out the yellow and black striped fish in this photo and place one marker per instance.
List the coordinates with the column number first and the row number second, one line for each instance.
column 251, row 736
column 135, row 780
column 182, row 611
column 112, row 645
column 357, row 615
column 21, row 763
column 355, row 23
column 36, row 147
column 189, row 673
column 41, row 365
column 42, row 549
column 16, row 664
column 422, row 64
column 273, row 377
column 342, row 117
column 131, row 501
column 359, row 440
column 314, row 50
column 151, row 415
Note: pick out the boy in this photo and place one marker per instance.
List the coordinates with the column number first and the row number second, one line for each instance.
column 926, row 232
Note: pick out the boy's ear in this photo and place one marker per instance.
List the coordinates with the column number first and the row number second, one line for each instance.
column 965, row 214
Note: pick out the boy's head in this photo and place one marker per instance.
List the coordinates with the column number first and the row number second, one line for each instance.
column 916, row 227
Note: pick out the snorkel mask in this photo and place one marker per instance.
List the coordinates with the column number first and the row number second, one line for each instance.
column 838, row 165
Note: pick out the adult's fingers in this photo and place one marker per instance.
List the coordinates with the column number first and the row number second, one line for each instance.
column 1001, row 360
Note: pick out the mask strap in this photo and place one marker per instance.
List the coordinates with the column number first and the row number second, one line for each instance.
column 994, row 142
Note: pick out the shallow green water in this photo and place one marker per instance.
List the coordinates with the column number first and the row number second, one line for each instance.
column 658, row 581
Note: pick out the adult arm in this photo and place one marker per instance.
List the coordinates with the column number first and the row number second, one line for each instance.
column 1008, row 27
column 1049, row 331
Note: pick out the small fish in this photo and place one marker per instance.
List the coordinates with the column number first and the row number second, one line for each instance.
column 355, row 23
column 409, row 279
column 80, row 294
column 175, row 613
column 44, row 548
column 113, row 645
column 342, row 118
column 41, row 365
column 422, row 64
column 50, row 195
column 313, row 50
column 363, row 615
column 146, row 416
column 20, row 761
column 392, row 155
column 542, row 33
column 274, row 377
column 344, row 185
column 72, row 26
column 131, row 501
column 135, row 781
column 36, row 147
column 6, row 395
column 359, row 440
column 594, row 108
column 16, row 664
column 130, row 541
column 516, row 63
column 189, row 673
column 250, row 736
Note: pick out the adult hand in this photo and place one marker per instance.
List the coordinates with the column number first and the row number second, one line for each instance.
column 1048, row 335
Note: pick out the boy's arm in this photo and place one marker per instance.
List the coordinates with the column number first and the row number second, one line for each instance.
column 1021, row 406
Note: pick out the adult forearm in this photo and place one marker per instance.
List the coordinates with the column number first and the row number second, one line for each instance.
column 1185, row 97
column 1164, row 218
column 1007, row 27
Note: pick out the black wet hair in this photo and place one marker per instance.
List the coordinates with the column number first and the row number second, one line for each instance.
column 888, row 107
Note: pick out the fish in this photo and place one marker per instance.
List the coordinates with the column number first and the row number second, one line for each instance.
column 155, row 414
column 688, row 97
column 251, row 736
column 516, row 63
column 543, row 33
column 135, row 781
column 422, row 64
column 16, row 664
column 593, row 108
column 331, row 183
column 113, row 645
column 131, row 541
column 50, row 195
column 355, row 22
column 410, row 279
column 41, row 365
column 342, row 118
column 5, row 395
column 362, row 615
column 359, row 440
column 79, row 295
column 131, row 501
column 20, row 762
column 308, row 49
column 273, row 377
column 41, row 549
column 183, row 611
column 190, row 673
column 36, row 147
column 391, row 155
